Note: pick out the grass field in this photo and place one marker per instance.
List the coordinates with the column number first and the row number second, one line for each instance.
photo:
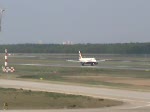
column 113, row 78
column 118, row 78
column 27, row 99
column 72, row 73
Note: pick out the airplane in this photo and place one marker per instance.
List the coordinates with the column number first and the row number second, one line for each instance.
column 83, row 61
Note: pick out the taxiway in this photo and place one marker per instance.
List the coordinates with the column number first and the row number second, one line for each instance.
column 134, row 101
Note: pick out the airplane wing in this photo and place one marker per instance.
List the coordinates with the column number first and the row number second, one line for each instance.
column 103, row 60
column 73, row 60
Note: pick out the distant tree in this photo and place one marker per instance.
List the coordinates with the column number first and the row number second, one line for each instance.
column 118, row 48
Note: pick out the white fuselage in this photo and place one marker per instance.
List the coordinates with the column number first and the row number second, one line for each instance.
column 91, row 61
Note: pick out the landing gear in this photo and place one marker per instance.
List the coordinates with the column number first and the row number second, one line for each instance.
column 92, row 64
column 82, row 64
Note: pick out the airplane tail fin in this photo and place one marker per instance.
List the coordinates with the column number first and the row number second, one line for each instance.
column 80, row 56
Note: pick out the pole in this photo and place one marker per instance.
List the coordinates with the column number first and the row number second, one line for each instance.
column 6, row 58
column 1, row 13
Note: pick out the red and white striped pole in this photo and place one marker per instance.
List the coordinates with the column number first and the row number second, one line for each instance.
column 6, row 58
column 6, row 68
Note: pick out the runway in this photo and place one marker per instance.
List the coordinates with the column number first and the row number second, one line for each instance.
column 99, row 67
column 134, row 101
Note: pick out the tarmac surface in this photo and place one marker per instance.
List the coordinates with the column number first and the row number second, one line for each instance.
column 99, row 67
column 134, row 101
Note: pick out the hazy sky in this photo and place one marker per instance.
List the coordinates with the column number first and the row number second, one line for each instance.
column 79, row 21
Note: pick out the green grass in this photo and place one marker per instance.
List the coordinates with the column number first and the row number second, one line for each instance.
column 65, row 74
column 27, row 99
column 50, row 73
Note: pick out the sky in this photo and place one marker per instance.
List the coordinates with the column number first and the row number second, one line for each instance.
column 79, row 21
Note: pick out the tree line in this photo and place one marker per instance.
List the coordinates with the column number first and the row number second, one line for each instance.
column 117, row 48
